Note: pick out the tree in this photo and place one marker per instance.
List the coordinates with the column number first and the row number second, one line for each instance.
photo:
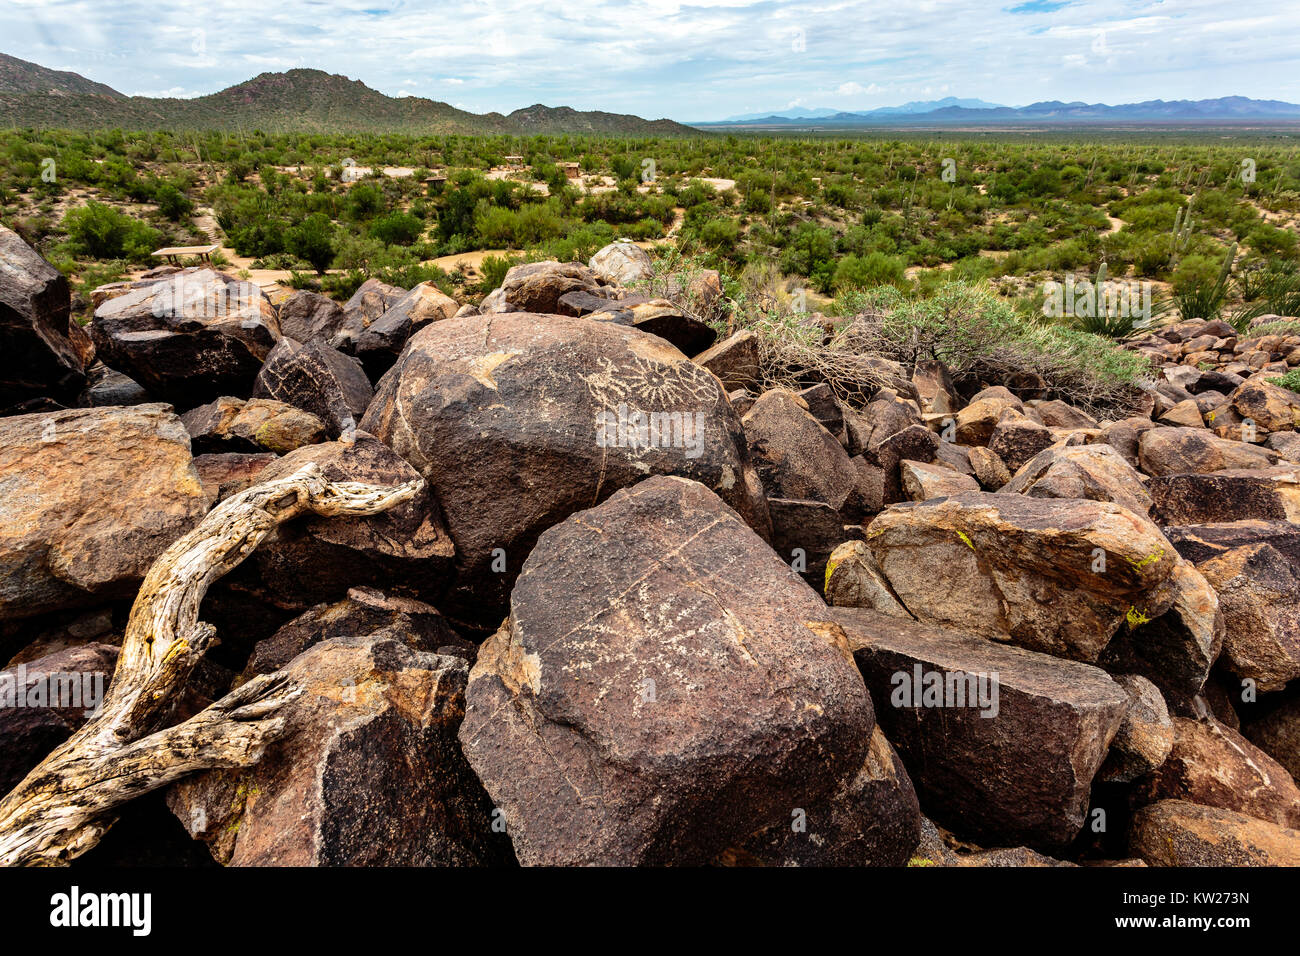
column 313, row 241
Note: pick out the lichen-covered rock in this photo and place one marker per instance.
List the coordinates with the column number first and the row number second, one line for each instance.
column 1052, row 575
column 234, row 425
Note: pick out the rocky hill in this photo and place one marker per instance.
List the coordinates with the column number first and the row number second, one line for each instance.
column 884, row 615
column 293, row 101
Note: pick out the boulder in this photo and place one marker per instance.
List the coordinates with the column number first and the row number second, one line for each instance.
column 1259, row 591
column 364, row 611
column 88, row 499
column 1095, row 472
column 1180, row 833
column 1177, row 451
column 42, row 702
column 1277, row 733
column 189, row 338
column 622, row 263
column 318, row 379
column 734, row 360
column 689, row 334
column 517, row 423
column 1016, row 439
column 688, row 692
column 934, row 387
column 379, row 344
column 234, row 425
column 1271, row 407
column 1052, row 575
column 314, row 560
column 36, row 356
column 1002, row 743
column 975, row 422
column 1057, row 414
column 922, row 481
column 1263, row 493
column 227, row 473
column 537, row 287
column 1214, row 766
column 371, row 300
column 796, row 457
column 804, row 533
column 367, row 773
column 990, row 471
column 311, row 317
column 853, row 579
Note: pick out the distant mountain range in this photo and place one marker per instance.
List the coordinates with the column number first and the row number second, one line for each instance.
column 924, row 106
column 293, row 101
column 952, row 111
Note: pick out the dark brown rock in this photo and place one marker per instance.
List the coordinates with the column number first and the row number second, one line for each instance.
column 688, row 692
column 1011, row 764
column 318, row 379
column 37, row 358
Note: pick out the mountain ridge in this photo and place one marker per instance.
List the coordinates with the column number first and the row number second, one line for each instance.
column 297, row 100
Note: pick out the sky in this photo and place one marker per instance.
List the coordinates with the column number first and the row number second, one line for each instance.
column 688, row 60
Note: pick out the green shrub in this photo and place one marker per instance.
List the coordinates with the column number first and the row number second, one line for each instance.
column 102, row 232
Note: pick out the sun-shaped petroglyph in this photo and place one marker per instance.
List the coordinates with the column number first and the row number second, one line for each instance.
column 647, row 383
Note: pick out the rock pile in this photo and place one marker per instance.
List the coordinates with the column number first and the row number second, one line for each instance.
column 646, row 611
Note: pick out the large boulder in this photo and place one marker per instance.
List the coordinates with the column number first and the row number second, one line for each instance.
column 538, row 286
column 1181, row 833
column 687, row 692
column 1002, row 743
column 1052, row 575
column 364, row 611
column 1263, row 493
column 1259, row 592
column 371, row 300
column 88, row 499
column 318, row 379
column 1179, row 451
column 36, row 356
column 734, row 360
column 1145, row 737
column 234, row 425
column 1277, row 733
column 367, row 773
column 311, row 317
column 622, row 263
column 1271, row 407
column 517, row 423
column 190, row 337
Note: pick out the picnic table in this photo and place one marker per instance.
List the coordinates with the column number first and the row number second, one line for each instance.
column 173, row 253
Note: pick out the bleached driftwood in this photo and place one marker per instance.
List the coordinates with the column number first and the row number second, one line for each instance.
column 62, row 808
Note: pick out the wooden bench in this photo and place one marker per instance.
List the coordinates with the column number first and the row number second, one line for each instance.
column 173, row 253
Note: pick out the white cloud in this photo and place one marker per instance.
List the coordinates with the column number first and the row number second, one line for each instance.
column 690, row 59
